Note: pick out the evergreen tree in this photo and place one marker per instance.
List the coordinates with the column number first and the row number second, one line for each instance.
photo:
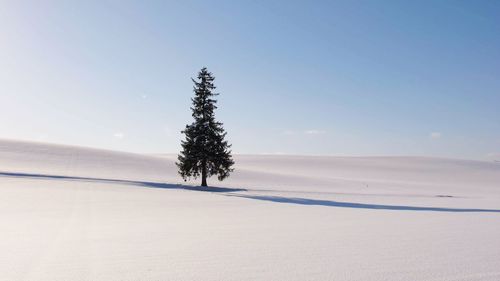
column 204, row 151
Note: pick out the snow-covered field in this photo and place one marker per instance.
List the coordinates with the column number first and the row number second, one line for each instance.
column 69, row 213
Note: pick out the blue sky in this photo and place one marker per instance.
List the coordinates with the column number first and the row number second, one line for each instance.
column 309, row 77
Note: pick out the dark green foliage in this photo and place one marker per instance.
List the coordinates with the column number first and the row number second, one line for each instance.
column 204, row 151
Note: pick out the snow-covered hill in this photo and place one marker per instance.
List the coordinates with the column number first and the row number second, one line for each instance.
column 71, row 213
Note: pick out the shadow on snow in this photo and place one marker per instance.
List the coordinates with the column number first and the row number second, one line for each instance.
column 276, row 199
column 126, row 182
column 328, row 203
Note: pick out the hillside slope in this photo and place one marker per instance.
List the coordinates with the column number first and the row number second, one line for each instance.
column 72, row 213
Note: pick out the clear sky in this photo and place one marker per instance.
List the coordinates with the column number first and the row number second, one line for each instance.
column 308, row 77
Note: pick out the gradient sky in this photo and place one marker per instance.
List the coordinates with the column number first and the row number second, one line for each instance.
column 309, row 77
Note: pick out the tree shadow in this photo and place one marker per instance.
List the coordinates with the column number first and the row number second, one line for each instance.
column 328, row 203
column 123, row 182
column 277, row 199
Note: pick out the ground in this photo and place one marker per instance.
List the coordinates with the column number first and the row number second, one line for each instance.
column 72, row 213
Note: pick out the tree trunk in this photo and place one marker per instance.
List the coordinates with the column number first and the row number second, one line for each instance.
column 203, row 180
column 204, row 174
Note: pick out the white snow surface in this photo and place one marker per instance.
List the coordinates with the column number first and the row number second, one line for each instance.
column 72, row 213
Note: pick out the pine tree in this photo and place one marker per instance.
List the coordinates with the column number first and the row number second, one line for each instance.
column 204, row 151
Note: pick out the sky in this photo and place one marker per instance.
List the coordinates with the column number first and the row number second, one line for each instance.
column 295, row 77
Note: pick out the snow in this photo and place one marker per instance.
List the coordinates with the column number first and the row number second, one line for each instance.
column 72, row 213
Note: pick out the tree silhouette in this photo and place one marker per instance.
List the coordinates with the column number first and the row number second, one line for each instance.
column 204, row 151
